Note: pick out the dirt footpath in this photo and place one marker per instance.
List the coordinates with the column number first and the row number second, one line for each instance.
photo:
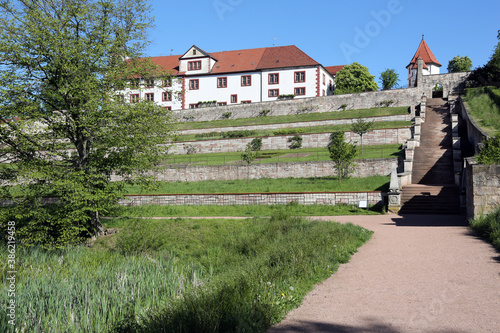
column 418, row 273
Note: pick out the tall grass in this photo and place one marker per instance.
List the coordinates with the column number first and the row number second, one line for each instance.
column 180, row 276
column 80, row 290
column 488, row 226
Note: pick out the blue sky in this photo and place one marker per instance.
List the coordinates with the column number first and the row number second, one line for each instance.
column 377, row 34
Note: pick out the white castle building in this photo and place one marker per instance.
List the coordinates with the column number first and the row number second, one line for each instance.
column 430, row 65
column 235, row 77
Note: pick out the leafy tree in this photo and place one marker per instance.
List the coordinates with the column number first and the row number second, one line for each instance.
column 248, row 156
column 361, row 127
column 62, row 63
column 342, row 154
column 490, row 153
column 459, row 64
column 489, row 73
column 256, row 144
column 354, row 78
column 389, row 79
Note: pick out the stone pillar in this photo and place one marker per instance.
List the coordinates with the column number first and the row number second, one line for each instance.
column 423, row 104
column 451, row 103
column 394, row 191
column 409, row 154
column 417, row 127
column 454, row 124
column 457, row 160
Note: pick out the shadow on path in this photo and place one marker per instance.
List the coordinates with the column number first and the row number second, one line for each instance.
column 415, row 220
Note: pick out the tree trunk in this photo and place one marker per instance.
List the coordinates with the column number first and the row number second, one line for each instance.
column 95, row 223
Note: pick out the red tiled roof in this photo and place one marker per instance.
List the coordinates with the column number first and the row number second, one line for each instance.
column 426, row 54
column 334, row 69
column 247, row 60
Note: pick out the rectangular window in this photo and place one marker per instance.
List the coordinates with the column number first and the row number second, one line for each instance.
column 273, row 92
column 149, row 83
column 246, row 102
column 221, row 103
column 194, row 106
column 150, row 97
column 222, row 82
column 194, row 84
column 168, row 108
column 167, row 82
column 300, row 91
column 166, row 96
column 194, row 65
column 134, row 98
column 246, row 80
column 274, row 78
column 234, row 98
column 300, row 77
column 324, row 80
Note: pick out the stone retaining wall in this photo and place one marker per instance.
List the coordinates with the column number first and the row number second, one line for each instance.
column 475, row 135
column 482, row 188
column 310, row 198
column 316, row 140
column 365, row 100
column 348, row 121
column 364, row 168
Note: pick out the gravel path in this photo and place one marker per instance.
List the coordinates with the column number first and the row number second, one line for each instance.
column 418, row 273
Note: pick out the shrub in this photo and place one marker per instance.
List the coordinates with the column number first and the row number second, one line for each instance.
column 288, row 131
column 488, row 226
column 206, row 135
column 264, row 113
column 188, row 118
column 295, row 142
column 256, row 144
column 386, row 103
column 343, row 107
column 226, row 115
column 190, row 149
column 237, row 134
column 289, row 96
column 490, row 153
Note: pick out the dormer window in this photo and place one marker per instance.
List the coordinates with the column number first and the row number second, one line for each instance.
column 194, row 65
column 194, row 51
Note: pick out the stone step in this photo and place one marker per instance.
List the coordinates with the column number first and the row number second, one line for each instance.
column 430, row 199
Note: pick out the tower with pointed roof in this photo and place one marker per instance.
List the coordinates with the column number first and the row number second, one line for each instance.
column 430, row 65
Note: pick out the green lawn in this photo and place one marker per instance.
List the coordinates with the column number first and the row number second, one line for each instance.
column 282, row 155
column 484, row 106
column 304, row 130
column 266, row 185
column 373, row 112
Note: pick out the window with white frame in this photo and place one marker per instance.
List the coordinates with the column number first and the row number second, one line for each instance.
column 273, row 92
column 246, row 80
column 274, row 78
column 150, row 97
column 222, row 82
column 194, row 84
column 300, row 77
column 166, row 96
column 300, row 91
column 194, row 65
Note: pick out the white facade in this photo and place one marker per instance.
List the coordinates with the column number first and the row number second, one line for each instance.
column 234, row 77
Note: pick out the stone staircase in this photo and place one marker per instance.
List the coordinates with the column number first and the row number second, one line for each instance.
column 433, row 190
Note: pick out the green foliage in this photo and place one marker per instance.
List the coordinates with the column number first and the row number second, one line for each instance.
column 361, row 126
column 488, row 74
column 288, row 131
column 354, row 78
column 343, row 107
column 226, row 115
column 237, row 134
column 207, row 135
column 437, row 87
column 490, row 153
column 256, row 144
column 264, row 113
column 342, row 154
column 61, row 63
column 488, row 226
column 389, row 79
column 248, row 156
column 286, row 96
column 295, row 142
column 386, row 103
column 459, row 64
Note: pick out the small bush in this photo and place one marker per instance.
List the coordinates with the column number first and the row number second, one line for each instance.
column 264, row 113
column 256, row 144
column 343, row 107
column 188, row 118
column 386, row 103
column 288, row 131
column 207, row 135
column 490, row 153
column 295, row 142
column 237, row 134
column 226, row 115
column 190, row 149
column 289, row 96
column 488, row 226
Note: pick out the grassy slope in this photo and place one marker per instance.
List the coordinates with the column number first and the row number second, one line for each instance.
column 484, row 105
column 325, row 184
column 295, row 118
column 280, row 155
